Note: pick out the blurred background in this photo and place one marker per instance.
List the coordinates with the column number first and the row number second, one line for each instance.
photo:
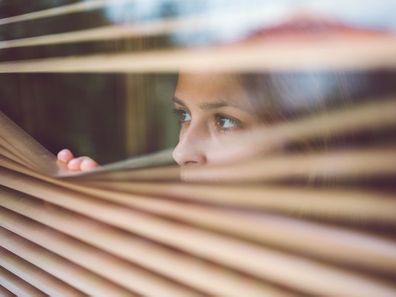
column 106, row 116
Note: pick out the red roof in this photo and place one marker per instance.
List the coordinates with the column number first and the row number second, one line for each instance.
column 308, row 25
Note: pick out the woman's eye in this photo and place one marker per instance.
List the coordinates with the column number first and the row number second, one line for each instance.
column 227, row 123
column 182, row 115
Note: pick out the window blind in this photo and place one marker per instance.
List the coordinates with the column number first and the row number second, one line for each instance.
column 285, row 222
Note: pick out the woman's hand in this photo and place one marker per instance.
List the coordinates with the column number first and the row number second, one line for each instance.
column 76, row 164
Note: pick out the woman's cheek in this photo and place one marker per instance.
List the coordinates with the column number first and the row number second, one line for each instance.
column 182, row 130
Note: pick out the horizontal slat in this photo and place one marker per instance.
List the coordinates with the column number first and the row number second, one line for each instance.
column 25, row 148
column 332, row 166
column 11, row 156
column 9, row 151
column 331, row 54
column 278, row 267
column 209, row 22
column 5, row 293
column 60, row 10
column 35, row 276
column 18, row 286
column 320, row 203
column 121, row 274
column 141, row 252
column 358, row 206
column 357, row 249
column 77, row 277
column 336, row 204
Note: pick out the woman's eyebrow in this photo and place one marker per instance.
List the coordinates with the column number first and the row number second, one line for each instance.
column 209, row 105
column 213, row 105
column 178, row 101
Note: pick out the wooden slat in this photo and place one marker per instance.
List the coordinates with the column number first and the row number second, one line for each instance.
column 81, row 279
column 335, row 166
column 105, row 265
column 257, row 56
column 9, row 151
column 60, row 10
column 170, row 25
column 358, row 206
column 5, row 293
column 17, row 286
column 324, row 241
column 145, row 254
column 25, row 147
column 279, row 267
column 35, row 276
column 10, row 155
column 357, row 249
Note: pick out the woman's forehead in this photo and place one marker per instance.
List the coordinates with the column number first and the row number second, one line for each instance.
column 199, row 87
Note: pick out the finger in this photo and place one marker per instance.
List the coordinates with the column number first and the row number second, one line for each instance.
column 65, row 155
column 87, row 164
column 75, row 164
column 81, row 164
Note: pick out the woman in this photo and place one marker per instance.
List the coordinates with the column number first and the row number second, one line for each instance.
column 212, row 105
column 208, row 106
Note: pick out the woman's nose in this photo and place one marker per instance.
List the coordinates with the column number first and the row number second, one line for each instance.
column 190, row 150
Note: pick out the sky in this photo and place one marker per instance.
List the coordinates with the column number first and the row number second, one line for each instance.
column 243, row 16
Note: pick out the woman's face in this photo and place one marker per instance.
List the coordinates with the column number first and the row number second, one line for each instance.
column 209, row 106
